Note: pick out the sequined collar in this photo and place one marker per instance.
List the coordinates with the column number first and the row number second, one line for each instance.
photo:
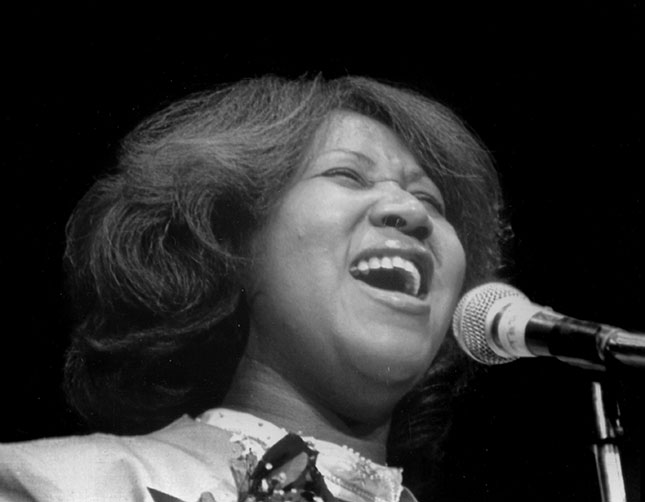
column 348, row 475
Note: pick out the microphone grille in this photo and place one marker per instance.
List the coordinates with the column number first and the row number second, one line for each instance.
column 469, row 320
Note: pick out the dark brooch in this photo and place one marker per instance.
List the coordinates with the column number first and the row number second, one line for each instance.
column 286, row 473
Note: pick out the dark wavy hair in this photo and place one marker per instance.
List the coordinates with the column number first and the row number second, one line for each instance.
column 155, row 250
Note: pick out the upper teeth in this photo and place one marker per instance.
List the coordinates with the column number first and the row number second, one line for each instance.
column 364, row 266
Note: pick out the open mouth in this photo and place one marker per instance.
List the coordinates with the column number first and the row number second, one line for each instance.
column 391, row 273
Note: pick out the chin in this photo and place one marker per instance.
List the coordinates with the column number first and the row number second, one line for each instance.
column 394, row 364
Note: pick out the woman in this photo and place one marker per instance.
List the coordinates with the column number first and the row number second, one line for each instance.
column 285, row 255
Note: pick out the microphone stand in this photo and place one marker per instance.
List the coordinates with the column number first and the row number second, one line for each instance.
column 608, row 431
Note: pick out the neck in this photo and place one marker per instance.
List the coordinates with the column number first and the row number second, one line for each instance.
column 261, row 391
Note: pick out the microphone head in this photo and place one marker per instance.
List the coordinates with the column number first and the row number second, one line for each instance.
column 469, row 322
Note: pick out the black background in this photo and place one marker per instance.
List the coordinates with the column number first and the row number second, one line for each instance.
column 554, row 92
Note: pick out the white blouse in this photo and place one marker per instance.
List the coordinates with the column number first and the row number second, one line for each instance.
column 348, row 475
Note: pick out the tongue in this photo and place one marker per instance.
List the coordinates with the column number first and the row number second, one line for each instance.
column 387, row 279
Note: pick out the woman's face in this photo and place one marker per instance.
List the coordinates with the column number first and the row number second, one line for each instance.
column 356, row 273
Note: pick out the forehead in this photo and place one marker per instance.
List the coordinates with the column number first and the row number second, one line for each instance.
column 343, row 126
column 351, row 132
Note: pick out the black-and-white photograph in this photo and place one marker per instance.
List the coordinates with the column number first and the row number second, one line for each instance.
column 354, row 261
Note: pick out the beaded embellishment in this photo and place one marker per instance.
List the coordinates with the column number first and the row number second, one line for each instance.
column 348, row 475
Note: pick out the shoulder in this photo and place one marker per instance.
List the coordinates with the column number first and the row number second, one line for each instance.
column 183, row 459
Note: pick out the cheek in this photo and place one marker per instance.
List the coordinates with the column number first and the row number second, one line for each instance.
column 451, row 257
column 312, row 240
column 298, row 256
column 448, row 281
column 456, row 268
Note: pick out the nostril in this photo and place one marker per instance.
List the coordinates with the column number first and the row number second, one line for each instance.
column 394, row 221
column 420, row 232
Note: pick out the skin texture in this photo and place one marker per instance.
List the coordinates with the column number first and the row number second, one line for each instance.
column 329, row 355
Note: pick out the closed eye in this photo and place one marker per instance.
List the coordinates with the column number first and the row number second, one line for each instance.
column 344, row 172
column 431, row 200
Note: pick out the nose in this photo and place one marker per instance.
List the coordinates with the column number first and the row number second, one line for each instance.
column 403, row 211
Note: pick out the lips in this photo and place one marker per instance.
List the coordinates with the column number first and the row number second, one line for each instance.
column 400, row 270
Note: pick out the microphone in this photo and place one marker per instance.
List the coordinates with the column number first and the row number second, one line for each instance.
column 495, row 323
